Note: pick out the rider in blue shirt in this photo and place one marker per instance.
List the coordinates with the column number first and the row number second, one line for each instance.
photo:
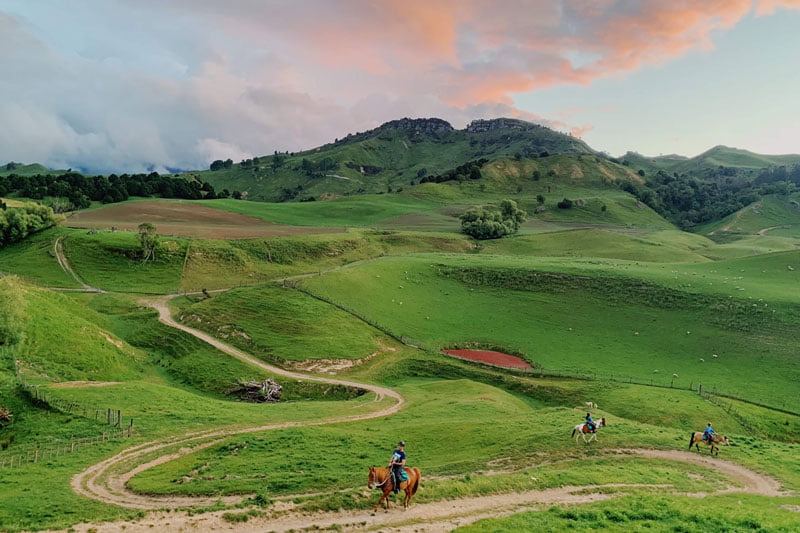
column 396, row 465
column 708, row 432
column 590, row 423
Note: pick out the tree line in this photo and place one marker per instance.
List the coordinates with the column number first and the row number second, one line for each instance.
column 76, row 191
column 16, row 223
column 687, row 201
column 470, row 170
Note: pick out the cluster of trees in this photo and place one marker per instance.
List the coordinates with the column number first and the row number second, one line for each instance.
column 687, row 201
column 470, row 170
column 315, row 169
column 78, row 191
column 219, row 164
column 492, row 221
column 16, row 223
column 778, row 174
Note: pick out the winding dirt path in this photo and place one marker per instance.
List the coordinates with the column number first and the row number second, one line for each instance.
column 106, row 481
column 442, row 515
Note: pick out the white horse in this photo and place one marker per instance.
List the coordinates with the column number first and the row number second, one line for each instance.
column 581, row 430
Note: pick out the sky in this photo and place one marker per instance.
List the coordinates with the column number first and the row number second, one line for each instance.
column 135, row 85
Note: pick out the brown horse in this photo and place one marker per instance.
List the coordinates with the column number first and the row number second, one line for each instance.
column 697, row 438
column 381, row 478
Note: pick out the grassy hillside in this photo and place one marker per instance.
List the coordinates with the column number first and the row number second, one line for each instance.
column 265, row 321
column 772, row 215
column 394, row 155
column 581, row 325
column 22, row 169
column 745, row 163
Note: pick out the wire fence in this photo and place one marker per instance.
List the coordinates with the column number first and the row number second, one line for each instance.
column 661, row 381
column 119, row 428
column 48, row 452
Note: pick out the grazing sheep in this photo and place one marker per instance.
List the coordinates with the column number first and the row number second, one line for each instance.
column 714, row 356
column 591, row 405
column 702, row 360
column 674, row 375
column 636, row 333
column 570, row 329
column 655, row 371
column 688, row 332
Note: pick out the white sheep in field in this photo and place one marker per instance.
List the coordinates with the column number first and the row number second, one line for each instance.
column 702, row 360
column 674, row 375
column 715, row 356
column 636, row 333
column 655, row 371
column 688, row 332
column 591, row 405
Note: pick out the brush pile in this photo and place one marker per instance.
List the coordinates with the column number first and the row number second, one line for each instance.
column 5, row 417
column 267, row 391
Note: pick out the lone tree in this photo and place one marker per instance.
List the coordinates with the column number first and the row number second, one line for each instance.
column 148, row 240
column 492, row 222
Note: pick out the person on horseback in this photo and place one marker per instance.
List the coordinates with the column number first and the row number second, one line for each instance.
column 707, row 434
column 590, row 423
column 396, row 465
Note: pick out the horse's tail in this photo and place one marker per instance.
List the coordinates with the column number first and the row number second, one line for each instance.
column 417, row 475
column 573, row 431
column 691, row 440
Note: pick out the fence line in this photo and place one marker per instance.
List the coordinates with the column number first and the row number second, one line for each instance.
column 48, row 453
column 543, row 372
column 112, row 417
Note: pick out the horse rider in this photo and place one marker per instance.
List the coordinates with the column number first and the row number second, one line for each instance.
column 708, row 433
column 396, row 465
column 590, row 423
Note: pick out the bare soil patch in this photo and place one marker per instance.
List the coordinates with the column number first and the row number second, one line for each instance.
column 186, row 219
column 82, row 384
column 493, row 358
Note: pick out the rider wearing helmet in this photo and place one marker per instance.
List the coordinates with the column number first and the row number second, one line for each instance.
column 590, row 423
column 707, row 434
column 396, row 465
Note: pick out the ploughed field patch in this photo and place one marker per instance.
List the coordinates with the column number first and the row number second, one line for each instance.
column 183, row 219
column 490, row 357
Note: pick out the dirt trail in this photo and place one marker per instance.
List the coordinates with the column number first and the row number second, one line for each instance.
column 58, row 250
column 106, row 481
column 764, row 231
column 443, row 515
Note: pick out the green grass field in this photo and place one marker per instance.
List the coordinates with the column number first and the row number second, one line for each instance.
column 589, row 293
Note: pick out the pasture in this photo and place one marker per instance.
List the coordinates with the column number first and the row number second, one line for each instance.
column 585, row 297
column 185, row 219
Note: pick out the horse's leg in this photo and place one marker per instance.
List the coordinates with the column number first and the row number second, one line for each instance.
column 378, row 504
column 408, row 497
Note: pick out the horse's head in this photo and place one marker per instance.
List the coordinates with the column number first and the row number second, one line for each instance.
column 723, row 440
column 603, row 422
column 372, row 477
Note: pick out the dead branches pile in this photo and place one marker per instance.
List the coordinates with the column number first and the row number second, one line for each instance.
column 257, row 391
column 5, row 417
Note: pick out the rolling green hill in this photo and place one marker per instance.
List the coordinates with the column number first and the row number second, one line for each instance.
column 742, row 164
column 21, row 169
column 397, row 155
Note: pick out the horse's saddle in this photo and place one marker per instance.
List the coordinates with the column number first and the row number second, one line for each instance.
column 403, row 475
column 588, row 429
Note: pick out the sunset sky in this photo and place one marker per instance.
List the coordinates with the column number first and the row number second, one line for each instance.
column 115, row 85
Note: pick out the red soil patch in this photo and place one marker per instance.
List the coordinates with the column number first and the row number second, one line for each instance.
column 186, row 219
column 493, row 358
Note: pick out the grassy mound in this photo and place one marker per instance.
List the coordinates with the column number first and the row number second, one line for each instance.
column 278, row 324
